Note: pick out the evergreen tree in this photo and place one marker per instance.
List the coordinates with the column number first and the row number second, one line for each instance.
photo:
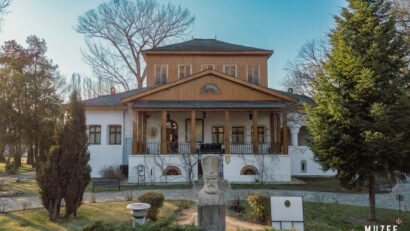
column 64, row 173
column 360, row 124
column 75, row 145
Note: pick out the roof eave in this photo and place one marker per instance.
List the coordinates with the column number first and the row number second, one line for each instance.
column 261, row 52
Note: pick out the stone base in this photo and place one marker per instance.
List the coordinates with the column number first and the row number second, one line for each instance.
column 212, row 217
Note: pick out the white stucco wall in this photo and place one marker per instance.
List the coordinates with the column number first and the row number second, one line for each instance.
column 274, row 168
column 104, row 155
column 156, row 164
column 303, row 153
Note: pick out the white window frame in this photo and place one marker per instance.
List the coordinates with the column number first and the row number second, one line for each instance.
column 259, row 73
column 190, row 70
column 203, row 65
column 230, row 65
column 155, row 72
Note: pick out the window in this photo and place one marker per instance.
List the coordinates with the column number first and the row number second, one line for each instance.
column 249, row 170
column 205, row 67
column 218, row 135
column 172, row 171
column 210, row 89
column 237, row 135
column 230, row 70
column 160, row 74
column 303, row 166
column 253, row 74
column 261, row 135
column 184, row 70
column 199, row 130
column 115, row 134
column 94, row 134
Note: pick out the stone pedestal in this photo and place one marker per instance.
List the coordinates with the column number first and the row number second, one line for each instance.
column 212, row 217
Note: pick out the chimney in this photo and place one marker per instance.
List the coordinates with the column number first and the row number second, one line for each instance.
column 112, row 91
column 290, row 90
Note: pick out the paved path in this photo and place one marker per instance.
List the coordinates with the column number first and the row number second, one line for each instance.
column 387, row 200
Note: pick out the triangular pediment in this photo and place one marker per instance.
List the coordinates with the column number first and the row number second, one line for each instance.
column 210, row 85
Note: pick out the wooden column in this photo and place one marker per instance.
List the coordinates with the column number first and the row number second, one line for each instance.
column 134, row 132
column 226, row 134
column 139, row 135
column 255, row 132
column 278, row 134
column 285, row 132
column 193, row 132
column 144, row 132
column 272, row 134
column 164, row 132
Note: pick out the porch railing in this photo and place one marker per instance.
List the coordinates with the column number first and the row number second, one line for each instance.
column 185, row 148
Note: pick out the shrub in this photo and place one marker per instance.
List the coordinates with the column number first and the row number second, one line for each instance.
column 183, row 204
column 260, row 205
column 11, row 168
column 111, row 172
column 156, row 200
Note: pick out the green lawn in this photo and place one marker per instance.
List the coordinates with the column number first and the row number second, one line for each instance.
column 36, row 219
column 322, row 184
column 30, row 188
column 24, row 168
column 318, row 216
column 335, row 217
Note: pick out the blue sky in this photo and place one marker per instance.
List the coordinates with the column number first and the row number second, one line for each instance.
column 283, row 26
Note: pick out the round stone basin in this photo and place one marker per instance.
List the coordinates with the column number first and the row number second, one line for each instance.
column 138, row 211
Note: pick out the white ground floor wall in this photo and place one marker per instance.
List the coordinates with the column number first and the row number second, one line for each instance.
column 270, row 168
column 302, row 155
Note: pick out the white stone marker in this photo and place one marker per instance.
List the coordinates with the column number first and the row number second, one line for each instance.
column 287, row 212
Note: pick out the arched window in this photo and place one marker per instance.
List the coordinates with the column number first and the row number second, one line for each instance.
column 303, row 133
column 249, row 170
column 172, row 171
column 210, row 89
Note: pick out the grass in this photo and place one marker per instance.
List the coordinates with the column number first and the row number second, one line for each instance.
column 335, row 217
column 318, row 216
column 320, row 184
column 30, row 187
column 24, row 167
column 36, row 219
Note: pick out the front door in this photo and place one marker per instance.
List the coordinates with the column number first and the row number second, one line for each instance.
column 172, row 136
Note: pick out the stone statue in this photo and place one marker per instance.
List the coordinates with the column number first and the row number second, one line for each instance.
column 211, row 207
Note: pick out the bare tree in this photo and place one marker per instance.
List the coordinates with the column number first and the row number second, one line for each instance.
column 87, row 87
column 3, row 6
column 306, row 67
column 401, row 10
column 188, row 163
column 117, row 32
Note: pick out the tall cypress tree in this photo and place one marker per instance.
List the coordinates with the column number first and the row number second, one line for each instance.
column 75, row 145
column 360, row 125
column 64, row 173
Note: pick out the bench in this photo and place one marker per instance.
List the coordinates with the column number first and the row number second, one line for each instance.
column 106, row 183
column 383, row 187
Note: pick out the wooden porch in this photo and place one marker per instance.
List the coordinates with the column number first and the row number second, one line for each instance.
column 277, row 144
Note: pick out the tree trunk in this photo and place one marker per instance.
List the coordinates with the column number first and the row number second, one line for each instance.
column 372, row 199
column 17, row 154
column 2, row 150
column 51, row 210
column 36, row 151
column 30, row 154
